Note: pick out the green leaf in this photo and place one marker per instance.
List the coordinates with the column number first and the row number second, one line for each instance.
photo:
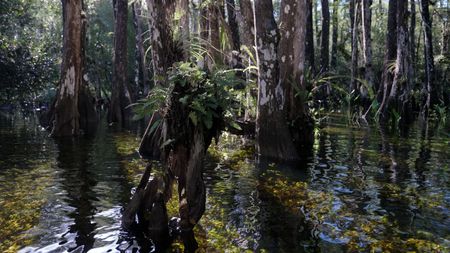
column 235, row 125
column 154, row 126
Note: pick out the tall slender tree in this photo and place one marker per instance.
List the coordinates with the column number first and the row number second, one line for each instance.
column 389, row 57
column 354, row 21
column 232, row 23
column 141, row 65
column 367, row 48
column 430, row 92
column 121, row 96
column 309, row 48
column 334, row 36
column 325, row 38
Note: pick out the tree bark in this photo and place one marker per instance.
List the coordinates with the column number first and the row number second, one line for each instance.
column 367, row 49
column 412, row 35
column 73, row 108
column 214, row 35
column 183, row 7
column 354, row 15
column 309, row 48
column 247, row 27
column 272, row 133
column 334, row 37
column 120, row 96
column 389, row 57
column 399, row 98
column 325, row 38
column 164, row 52
column 430, row 91
column 231, row 11
column 141, row 66
column 292, row 59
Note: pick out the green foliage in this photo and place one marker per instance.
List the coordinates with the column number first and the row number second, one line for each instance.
column 153, row 102
column 209, row 96
column 29, row 49
column 441, row 113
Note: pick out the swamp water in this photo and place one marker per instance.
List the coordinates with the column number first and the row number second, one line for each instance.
column 360, row 190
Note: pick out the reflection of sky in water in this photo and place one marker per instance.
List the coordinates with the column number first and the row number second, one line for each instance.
column 361, row 189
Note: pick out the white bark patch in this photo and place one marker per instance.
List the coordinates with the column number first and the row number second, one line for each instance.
column 68, row 86
column 283, row 58
column 263, row 98
column 287, row 8
column 266, row 54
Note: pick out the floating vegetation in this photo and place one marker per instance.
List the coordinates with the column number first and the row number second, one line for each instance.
column 20, row 211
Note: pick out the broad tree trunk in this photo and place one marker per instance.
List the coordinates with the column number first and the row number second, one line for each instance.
column 367, row 49
column 120, row 96
column 389, row 57
column 272, row 133
column 73, row 109
column 430, row 91
column 399, row 98
column 309, row 48
column 325, row 38
column 292, row 58
column 141, row 66
column 334, row 37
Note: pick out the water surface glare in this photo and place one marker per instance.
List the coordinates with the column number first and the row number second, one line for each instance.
column 360, row 190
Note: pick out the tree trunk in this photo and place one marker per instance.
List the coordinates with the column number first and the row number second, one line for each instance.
column 430, row 92
column 399, row 95
column 367, row 49
column 247, row 27
column 334, row 37
column 325, row 38
column 389, row 57
column 164, row 52
column 292, row 58
column 141, row 66
column 412, row 35
column 73, row 108
column 309, row 48
column 120, row 96
column 354, row 15
column 214, row 35
column 231, row 10
column 272, row 133
column 183, row 7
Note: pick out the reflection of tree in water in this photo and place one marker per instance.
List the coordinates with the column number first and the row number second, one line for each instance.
column 395, row 174
column 78, row 182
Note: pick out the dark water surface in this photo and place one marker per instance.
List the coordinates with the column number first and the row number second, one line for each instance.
column 361, row 190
